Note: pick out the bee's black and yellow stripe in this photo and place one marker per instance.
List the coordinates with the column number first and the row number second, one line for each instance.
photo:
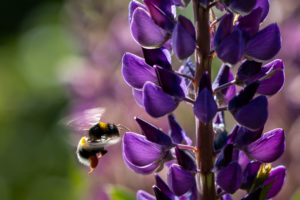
column 103, row 129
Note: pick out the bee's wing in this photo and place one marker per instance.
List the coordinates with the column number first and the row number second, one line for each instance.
column 84, row 120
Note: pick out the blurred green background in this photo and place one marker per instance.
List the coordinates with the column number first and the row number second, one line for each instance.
column 57, row 56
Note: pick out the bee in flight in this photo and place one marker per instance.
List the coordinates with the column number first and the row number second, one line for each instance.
column 98, row 135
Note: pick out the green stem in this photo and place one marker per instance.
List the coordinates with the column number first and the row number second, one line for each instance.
column 204, row 132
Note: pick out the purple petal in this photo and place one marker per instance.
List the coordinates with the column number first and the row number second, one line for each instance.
column 132, row 6
column 160, row 194
column 269, row 147
column 138, row 96
column 250, row 174
column 224, row 76
column 205, row 106
column 136, row 72
column 249, row 24
column 142, row 195
column 225, row 157
column 230, row 178
column 180, row 180
column 183, row 38
column 157, row 103
column 159, row 16
column 242, row 6
column 145, row 31
column 248, row 70
column 277, row 177
column 264, row 4
column 153, row 134
column 163, row 187
column 176, row 132
column 139, row 151
column 231, row 49
column 272, row 85
column 146, row 169
column 243, row 160
column 254, row 115
column 245, row 136
column 266, row 43
column 224, row 29
column 170, row 82
column 243, row 98
column 164, row 5
column 160, row 56
column 185, row 160
column 232, row 134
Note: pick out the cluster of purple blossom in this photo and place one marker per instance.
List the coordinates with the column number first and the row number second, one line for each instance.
column 243, row 157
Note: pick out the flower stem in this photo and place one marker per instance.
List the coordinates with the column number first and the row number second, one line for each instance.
column 204, row 132
column 183, row 146
column 226, row 85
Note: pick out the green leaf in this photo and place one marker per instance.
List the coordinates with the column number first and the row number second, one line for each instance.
column 120, row 193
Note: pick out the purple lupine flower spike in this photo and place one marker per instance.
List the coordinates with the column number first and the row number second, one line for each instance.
column 241, row 156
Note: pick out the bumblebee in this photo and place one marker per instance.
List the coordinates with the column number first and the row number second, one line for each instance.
column 98, row 135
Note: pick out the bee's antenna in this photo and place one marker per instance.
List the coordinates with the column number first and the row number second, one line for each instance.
column 122, row 127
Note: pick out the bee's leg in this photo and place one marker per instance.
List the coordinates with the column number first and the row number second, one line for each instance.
column 93, row 163
column 102, row 153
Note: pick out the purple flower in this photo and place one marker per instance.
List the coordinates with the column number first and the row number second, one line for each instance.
column 141, row 155
column 230, row 178
column 265, row 44
column 180, row 180
column 183, row 38
column 205, row 106
column 269, row 147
